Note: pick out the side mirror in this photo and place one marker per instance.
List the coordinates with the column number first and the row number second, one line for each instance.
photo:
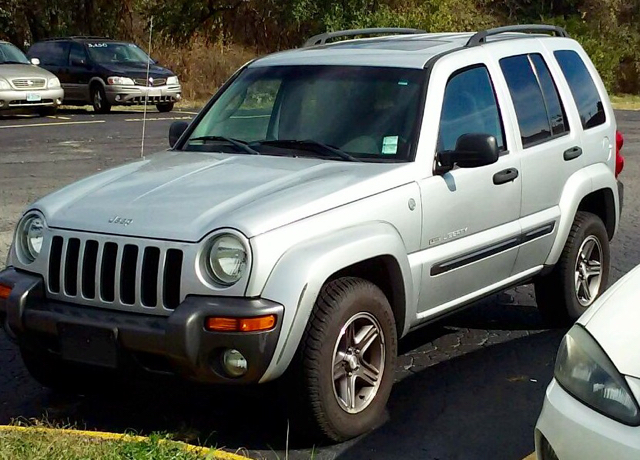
column 176, row 130
column 78, row 62
column 35, row 61
column 472, row 150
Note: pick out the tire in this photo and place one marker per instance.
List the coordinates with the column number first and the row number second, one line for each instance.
column 164, row 108
column 47, row 111
column 565, row 294
column 325, row 410
column 63, row 377
column 99, row 99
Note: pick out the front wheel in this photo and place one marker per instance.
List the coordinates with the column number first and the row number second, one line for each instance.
column 581, row 274
column 345, row 365
column 99, row 100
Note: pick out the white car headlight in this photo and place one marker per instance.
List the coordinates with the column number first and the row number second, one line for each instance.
column 226, row 259
column 172, row 80
column 585, row 371
column 30, row 236
column 126, row 81
column 54, row 82
column 4, row 85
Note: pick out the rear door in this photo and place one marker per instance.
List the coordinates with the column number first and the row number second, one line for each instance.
column 76, row 87
column 549, row 145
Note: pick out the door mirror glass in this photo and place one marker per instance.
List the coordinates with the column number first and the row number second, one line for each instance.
column 35, row 61
column 472, row 150
column 176, row 130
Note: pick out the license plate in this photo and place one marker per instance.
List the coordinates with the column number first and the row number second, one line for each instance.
column 33, row 97
column 88, row 345
column 155, row 92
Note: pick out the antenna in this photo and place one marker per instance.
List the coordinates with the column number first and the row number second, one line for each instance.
column 146, row 99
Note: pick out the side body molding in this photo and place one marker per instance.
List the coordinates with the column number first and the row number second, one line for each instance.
column 297, row 278
column 582, row 183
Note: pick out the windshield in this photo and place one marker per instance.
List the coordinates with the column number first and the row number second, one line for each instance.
column 368, row 113
column 9, row 54
column 118, row 53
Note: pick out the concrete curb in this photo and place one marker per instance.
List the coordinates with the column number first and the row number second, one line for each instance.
column 219, row 454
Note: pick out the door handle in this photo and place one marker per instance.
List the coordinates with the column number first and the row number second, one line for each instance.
column 572, row 153
column 504, row 176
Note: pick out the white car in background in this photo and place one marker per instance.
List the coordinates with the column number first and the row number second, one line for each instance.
column 591, row 407
column 24, row 85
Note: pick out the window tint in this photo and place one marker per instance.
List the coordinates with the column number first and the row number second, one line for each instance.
column 555, row 110
column 50, row 53
column 469, row 106
column 582, row 87
column 527, row 99
column 77, row 53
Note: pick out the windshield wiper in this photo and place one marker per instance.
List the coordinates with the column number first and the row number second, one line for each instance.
column 310, row 144
column 242, row 145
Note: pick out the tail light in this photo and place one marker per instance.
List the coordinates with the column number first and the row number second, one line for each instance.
column 619, row 157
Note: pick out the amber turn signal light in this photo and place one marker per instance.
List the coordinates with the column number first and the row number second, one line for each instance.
column 4, row 291
column 225, row 324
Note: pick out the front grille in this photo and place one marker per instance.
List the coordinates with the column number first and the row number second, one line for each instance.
column 156, row 82
column 126, row 274
column 21, row 103
column 29, row 83
column 150, row 99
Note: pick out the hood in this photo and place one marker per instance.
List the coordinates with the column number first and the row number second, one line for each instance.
column 613, row 322
column 136, row 70
column 185, row 195
column 23, row 71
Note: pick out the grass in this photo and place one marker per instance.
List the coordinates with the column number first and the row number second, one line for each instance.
column 626, row 101
column 46, row 444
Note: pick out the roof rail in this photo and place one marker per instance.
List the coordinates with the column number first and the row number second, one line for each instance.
column 321, row 39
column 74, row 37
column 481, row 37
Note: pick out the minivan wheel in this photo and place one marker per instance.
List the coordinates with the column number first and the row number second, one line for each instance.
column 99, row 100
column 164, row 108
column 345, row 366
column 581, row 274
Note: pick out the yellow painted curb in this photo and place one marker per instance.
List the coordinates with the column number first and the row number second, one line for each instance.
column 128, row 437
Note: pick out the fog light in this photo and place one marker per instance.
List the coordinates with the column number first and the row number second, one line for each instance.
column 178, row 96
column 5, row 291
column 118, row 97
column 59, row 101
column 234, row 363
column 1, row 103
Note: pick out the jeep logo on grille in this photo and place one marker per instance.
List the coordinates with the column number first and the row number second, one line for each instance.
column 120, row 220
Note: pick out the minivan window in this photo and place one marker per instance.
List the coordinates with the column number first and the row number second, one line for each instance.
column 527, row 99
column 555, row 109
column 9, row 54
column 53, row 53
column 469, row 106
column 116, row 53
column 582, row 87
column 77, row 54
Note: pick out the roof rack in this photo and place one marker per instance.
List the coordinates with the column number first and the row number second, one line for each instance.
column 481, row 37
column 321, row 39
column 77, row 37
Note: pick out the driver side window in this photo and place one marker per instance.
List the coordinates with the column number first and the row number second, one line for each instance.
column 469, row 106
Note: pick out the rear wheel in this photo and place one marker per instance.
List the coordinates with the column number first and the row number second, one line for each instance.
column 345, row 365
column 99, row 99
column 166, row 107
column 581, row 274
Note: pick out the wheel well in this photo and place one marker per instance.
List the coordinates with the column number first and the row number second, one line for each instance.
column 384, row 272
column 602, row 204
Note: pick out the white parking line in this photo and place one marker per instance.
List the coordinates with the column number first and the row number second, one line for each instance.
column 58, row 117
column 62, row 123
column 158, row 119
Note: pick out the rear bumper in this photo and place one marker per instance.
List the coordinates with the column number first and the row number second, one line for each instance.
column 14, row 99
column 178, row 344
column 117, row 94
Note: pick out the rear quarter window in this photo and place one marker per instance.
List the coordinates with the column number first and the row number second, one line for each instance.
column 582, row 87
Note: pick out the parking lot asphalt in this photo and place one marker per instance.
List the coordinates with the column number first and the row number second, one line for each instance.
column 468, row 387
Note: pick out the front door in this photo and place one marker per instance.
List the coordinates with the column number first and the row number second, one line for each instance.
column 470, row 218
column 76, row 85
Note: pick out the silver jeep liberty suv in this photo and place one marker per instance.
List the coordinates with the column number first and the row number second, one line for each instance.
column 327, row 201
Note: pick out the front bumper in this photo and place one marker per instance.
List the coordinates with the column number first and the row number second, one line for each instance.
column 574, row 431
column 123, row 95
column 14, row 99
column 177, row 344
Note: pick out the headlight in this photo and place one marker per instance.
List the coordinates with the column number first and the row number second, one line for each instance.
column 120, row 81
column 54, row 82
column 30, row 237
column 227, row 259
column 584, row 370
column 4, row 84
column 172, row 80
